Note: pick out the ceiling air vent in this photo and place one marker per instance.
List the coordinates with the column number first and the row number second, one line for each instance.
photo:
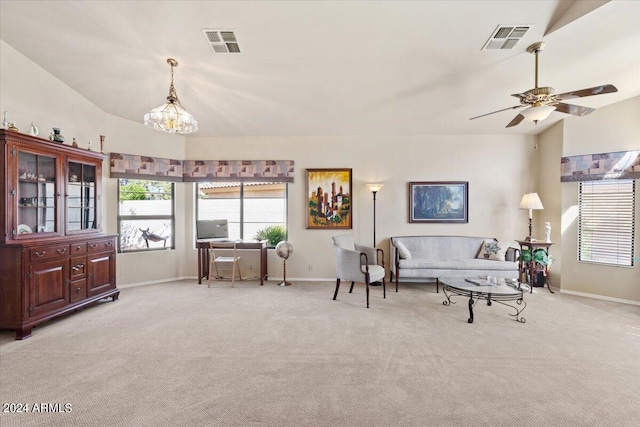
column 222, row 41
column 506, row 37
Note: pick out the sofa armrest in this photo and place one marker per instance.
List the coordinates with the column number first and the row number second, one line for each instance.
column 512, row 254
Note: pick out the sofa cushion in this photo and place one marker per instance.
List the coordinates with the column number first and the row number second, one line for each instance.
column 439, row 247
column 457, row 264
column 490, row 249
column 403, row 251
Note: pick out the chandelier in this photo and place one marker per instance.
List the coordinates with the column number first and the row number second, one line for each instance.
column 171, row 117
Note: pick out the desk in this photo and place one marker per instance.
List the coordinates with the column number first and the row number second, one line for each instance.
column 203, row 246
column 531, row 265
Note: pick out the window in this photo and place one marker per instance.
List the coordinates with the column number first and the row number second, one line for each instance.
column 254, row 210
column 146, row 215
column 606, row 222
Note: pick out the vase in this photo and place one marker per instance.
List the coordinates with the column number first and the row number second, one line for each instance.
column 56, row 136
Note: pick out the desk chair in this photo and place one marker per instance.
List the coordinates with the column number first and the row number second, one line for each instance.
column 222, row 262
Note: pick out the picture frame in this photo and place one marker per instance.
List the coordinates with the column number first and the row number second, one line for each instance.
column 328, row 198
column 439, row 202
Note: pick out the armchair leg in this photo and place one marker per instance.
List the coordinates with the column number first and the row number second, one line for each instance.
column 351, row 288
column 437, row 285
column 384, row 289
column 396, row 282
column 335, row 295
column 367, row 292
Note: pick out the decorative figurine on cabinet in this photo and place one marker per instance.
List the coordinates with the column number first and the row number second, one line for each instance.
column 34, row 130
column 56, row 136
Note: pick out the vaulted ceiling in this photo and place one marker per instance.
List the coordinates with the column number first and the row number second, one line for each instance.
column 326, row 68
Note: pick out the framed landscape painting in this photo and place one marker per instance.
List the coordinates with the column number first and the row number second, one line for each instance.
column 328, row 198
column 439, row 201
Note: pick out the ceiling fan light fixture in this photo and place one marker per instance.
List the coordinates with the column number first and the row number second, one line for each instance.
column 171, row 117
column 541, row 112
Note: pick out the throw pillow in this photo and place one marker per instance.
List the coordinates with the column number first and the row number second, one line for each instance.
column 493, row 250
column 403, row 251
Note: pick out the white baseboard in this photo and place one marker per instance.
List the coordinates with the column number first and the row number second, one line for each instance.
column 601, row 297
column 271, row 279
column 154, row 282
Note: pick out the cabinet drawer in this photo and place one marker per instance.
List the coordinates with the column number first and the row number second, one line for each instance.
column 48, row 252
column 78, row 290
column 78, row 267
column 95, row 246
column 78, row 249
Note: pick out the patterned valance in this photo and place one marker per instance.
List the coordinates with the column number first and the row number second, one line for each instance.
column 594, row 167
column 238, row 170
column 159, row 169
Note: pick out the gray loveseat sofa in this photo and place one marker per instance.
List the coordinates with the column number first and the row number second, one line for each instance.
column 427, row 258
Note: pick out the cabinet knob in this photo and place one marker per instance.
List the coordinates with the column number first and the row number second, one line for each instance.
column 109, row 244
column 93, row 246
column 62, row 250
column 77, row 290
column 40, row 254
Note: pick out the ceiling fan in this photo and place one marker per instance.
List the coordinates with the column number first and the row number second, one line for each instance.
column 542, row 100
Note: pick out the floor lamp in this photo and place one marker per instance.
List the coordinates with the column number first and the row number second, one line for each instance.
column 374, row 189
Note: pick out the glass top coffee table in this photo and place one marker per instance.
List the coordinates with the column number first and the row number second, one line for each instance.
column 477, row 289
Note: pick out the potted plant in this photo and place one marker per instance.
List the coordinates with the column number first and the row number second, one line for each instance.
column 525, row 255
column 274, row 234
column 542, row 259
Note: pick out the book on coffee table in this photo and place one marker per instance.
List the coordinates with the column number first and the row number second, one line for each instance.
column 479, row 282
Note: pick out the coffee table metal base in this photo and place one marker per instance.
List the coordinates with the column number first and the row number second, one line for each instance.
column 488, row 293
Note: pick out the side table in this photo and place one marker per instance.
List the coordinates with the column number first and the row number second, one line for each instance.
column 529, row 267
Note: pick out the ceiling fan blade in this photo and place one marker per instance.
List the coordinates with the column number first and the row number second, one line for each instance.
column 596, row 90
column 498, row 111
column 576, row 110
column 516, row 121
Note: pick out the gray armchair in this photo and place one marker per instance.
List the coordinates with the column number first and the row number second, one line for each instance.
column 358, row 263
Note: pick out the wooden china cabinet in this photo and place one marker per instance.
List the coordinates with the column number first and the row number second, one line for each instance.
column 54, row 256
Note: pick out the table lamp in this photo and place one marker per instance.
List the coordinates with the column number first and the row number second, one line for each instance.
column 531, row 201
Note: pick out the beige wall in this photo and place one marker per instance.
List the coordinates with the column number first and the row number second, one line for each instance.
column 613, row 128
column 549, row 189
column 31, row 94
column 499, row 170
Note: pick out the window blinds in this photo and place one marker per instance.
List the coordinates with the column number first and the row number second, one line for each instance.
column 606, row 223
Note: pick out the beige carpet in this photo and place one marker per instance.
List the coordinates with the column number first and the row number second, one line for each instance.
column 179, row 354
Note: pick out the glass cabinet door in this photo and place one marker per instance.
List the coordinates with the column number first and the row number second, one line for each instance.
column 36, row 194
column 81, row 197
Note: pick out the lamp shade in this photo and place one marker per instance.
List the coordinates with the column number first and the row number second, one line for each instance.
column 533, row 114
column 375, row 187
column 531, row 201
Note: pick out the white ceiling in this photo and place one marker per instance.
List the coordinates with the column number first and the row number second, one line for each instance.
column 327, row 68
